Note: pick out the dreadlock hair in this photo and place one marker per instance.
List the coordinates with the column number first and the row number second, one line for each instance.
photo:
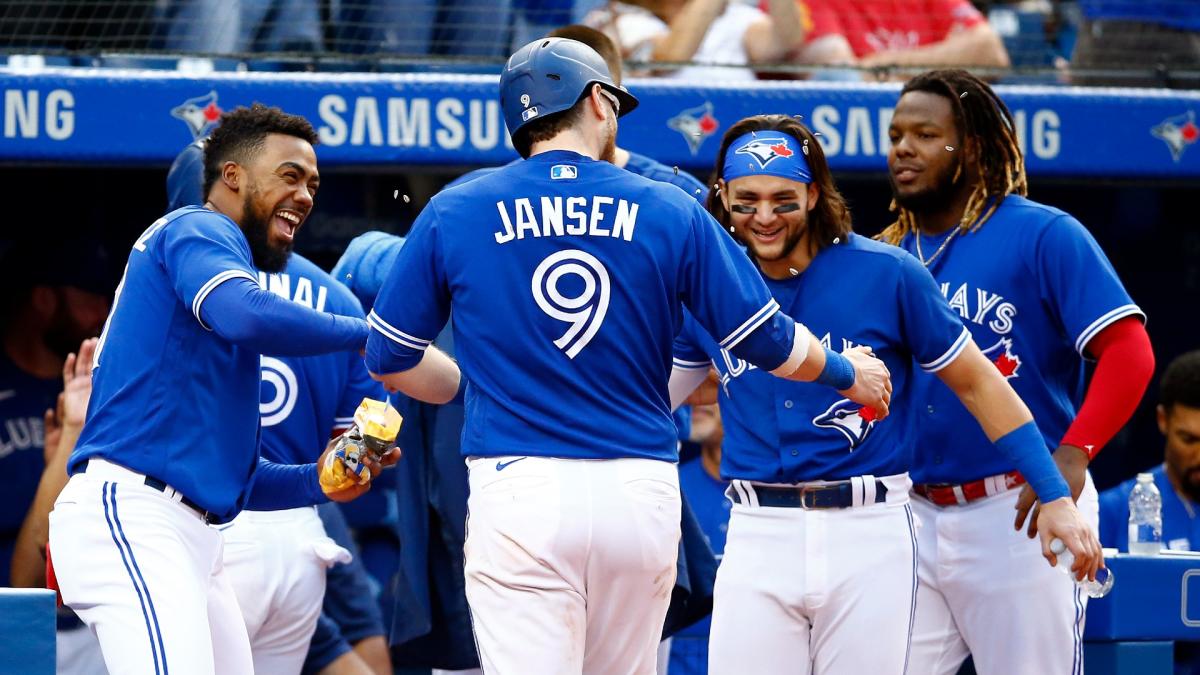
column 829, row 219
column 242, row 133
column 986, row 127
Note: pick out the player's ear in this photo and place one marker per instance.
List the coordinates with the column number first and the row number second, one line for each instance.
column 1161, row 413
column 814, row 193
column 231, row 175
column 724, row 193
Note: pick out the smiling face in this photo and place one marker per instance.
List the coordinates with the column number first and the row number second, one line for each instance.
column 281, row 184
column 769, row 214
column 921, row 169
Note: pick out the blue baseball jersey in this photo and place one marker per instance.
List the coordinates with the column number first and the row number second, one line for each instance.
column 305, row 398
column 24, row 400
column 1033, row 287
column 170, row 398
column 863, row 293
column 1180, row 527
column 637, row 164
column 566, row 276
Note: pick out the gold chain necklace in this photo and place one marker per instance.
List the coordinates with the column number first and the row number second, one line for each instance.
column 936, row 253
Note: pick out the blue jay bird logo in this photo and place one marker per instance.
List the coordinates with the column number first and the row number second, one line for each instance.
column 851, row 419
column 1178, row 133
column 199, row 114
column 766, row 150
column 695, row 125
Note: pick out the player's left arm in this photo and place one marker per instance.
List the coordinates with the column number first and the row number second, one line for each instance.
column 1008, row 423
column 1078, row 283
column 29, row 551
column 411, row 309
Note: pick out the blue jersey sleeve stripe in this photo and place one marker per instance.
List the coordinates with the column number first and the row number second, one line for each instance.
column 689, row 365
column 952, row 353
column 1105, row 321
column 388, row 331
column 760, row 317
column 212, row 283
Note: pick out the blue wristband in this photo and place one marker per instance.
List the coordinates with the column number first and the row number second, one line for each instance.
column 1027, row 450
column 838, row 372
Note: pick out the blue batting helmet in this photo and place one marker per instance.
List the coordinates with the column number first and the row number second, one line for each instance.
column 550, row 75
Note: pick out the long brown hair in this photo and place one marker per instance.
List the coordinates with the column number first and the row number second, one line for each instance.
column 830, row 218
column 984, row 123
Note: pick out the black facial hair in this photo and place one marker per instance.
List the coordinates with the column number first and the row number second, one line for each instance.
column 267, row 257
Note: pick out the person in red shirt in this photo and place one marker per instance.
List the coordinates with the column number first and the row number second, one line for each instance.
column 876, row 33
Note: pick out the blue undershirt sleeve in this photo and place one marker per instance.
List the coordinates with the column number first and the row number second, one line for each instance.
column 284, row 486
column 241, row 312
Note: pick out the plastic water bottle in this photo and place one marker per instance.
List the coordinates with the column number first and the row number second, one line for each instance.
column 1094, row 589
column 1145, row 517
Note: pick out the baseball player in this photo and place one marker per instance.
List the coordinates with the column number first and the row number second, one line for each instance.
column 821, row 536
column 566, row 275
column 276, row 560
column 1038, row 296
column 170, row 444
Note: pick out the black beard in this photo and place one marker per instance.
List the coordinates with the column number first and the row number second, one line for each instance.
column 1190, row 487
column 256, row 228
column 932, row 199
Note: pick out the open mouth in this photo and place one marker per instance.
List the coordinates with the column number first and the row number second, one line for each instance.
column 765, row 235
column 286, row 223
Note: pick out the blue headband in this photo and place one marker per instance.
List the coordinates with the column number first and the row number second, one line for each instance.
column 766, row 153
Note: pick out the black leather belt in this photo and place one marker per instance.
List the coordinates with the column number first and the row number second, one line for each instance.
column 161, row 486
column 829, row 496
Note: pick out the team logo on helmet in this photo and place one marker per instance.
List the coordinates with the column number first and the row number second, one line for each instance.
column 525, row 100
column 1002, row 355
column 695, row 125
column 766, row 150
column 1177, row 132
column 854, row 421
column 199, row 113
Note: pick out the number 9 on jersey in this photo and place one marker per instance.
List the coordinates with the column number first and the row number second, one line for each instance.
column 585, row 311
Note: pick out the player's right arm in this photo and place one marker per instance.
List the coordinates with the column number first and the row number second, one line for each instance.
column 209, row 265
column 411, row 309
column 727, row 296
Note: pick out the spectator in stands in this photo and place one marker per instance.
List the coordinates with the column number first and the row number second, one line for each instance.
column 52, row 302
column 1177, row 478
column 700, row 481
column 240, row 26
column 474, row 28
column 1153, row 36
column 880, row 33
column 723, row 38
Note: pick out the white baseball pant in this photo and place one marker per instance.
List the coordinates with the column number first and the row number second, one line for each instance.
column 145, row 573
column 824, row 591
column 276, row 562
column 570, row 563
column 78, row 652
column 986, row 590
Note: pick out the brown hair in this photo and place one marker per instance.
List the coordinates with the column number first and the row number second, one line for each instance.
column 986, row 126
column 830, row 218
column 604, row 46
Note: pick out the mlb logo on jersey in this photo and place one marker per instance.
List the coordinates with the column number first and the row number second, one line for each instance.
column 766, row 150
column 851, row 419
column 527, row 115
column 563, row 172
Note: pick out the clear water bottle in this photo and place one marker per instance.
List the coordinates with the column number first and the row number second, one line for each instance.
column 1145, row 517
column 1094, row 589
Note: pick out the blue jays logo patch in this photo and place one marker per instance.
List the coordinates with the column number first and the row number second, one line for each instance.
column 1001, row 354
column 200, row 114
column 766, row 150
column 853, row 420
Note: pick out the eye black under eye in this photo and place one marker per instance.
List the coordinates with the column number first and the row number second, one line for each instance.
column 746, row 209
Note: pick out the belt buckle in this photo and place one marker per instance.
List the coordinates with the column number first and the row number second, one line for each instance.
column 804, row 491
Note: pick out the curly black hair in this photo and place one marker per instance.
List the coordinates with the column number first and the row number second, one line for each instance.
column 1181, row 382
column 243, row 131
